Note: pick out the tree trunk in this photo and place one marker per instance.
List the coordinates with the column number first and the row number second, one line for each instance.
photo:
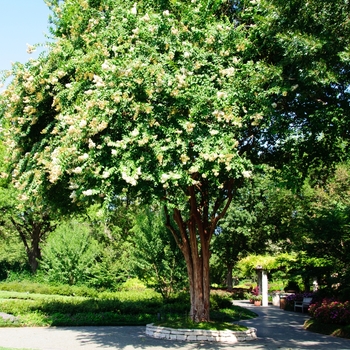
column 229, row 279
column 193, row 237
column 197, row 262
column 34, row 252
column 31, row 232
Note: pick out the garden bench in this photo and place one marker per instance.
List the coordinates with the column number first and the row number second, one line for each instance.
column 305, row 303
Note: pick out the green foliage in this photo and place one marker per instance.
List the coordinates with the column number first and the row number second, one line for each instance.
column 70, row 254
column 106, row 308
column 112, row 229
column 220, row 301
column 246, row 228
column 115, row 91
column 249, row 264
column 133, row 284
column 30, row 287
column 316, row 227
column 20, row 224
column 159, row 261
column 329, row 329
column 12, row 258
column 256, row 297
column 188, row 324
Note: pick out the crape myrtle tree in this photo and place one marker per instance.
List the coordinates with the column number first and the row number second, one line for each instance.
column 23, row 216
column 179, row 101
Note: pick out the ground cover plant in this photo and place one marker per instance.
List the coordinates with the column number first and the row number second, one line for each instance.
column 179, row 323
column 336, row 330
column 107, row 308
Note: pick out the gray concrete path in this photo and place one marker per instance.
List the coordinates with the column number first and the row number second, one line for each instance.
column 277, row 329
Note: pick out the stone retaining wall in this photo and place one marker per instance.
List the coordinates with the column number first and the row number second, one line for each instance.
column 226, row 336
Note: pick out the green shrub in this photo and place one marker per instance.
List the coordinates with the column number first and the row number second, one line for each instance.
column 219, row 300
column 117, row 308
column 40, row 288
column 158, row 260
column 69, row 254
column 133, row 284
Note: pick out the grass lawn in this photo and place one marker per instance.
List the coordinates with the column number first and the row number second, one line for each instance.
column 213, row 325
column 110, row 309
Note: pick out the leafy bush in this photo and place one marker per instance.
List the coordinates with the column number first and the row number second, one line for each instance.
column 108, row 308
column 40, row 288
column 292, row 286
column 70, row 254
column 133, row 284
column 331, row 311
column 335, row 330
column 158, row 260
column 220, row 301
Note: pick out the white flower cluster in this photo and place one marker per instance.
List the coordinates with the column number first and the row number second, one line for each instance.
column 229, row 72
column 88, row 192
column 98, row 81
column 193, row 169
column 247, row 174
column 30, row 49
column 189, row 126
column 134, row 9
column 131, row 179
column 169, row 176
column 108, row 67
column 221, row 94
column 184, row 158
column 83, row 157
column 55, row 169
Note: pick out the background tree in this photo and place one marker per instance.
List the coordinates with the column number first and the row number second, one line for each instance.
column 244, row 230
column 24, row 216
column 321, row 236
column 179, row 101
column 70, row 254
column 112, row 228
column 158, row 260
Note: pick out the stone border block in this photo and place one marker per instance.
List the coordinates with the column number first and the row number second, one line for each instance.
column 225, row 336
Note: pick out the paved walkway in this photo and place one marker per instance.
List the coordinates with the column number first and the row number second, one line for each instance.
column 277, row 329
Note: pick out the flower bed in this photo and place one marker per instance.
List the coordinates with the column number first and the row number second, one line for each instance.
column 331, row 311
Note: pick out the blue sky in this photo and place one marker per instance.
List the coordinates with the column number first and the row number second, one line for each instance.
column 21, row 22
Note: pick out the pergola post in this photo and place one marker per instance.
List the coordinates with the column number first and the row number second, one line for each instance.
column 263, row 285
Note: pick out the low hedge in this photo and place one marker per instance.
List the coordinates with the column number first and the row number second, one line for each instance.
column 107, row 308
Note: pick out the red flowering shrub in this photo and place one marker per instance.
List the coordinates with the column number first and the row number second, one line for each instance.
column 331, row 311
column 255, row 290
